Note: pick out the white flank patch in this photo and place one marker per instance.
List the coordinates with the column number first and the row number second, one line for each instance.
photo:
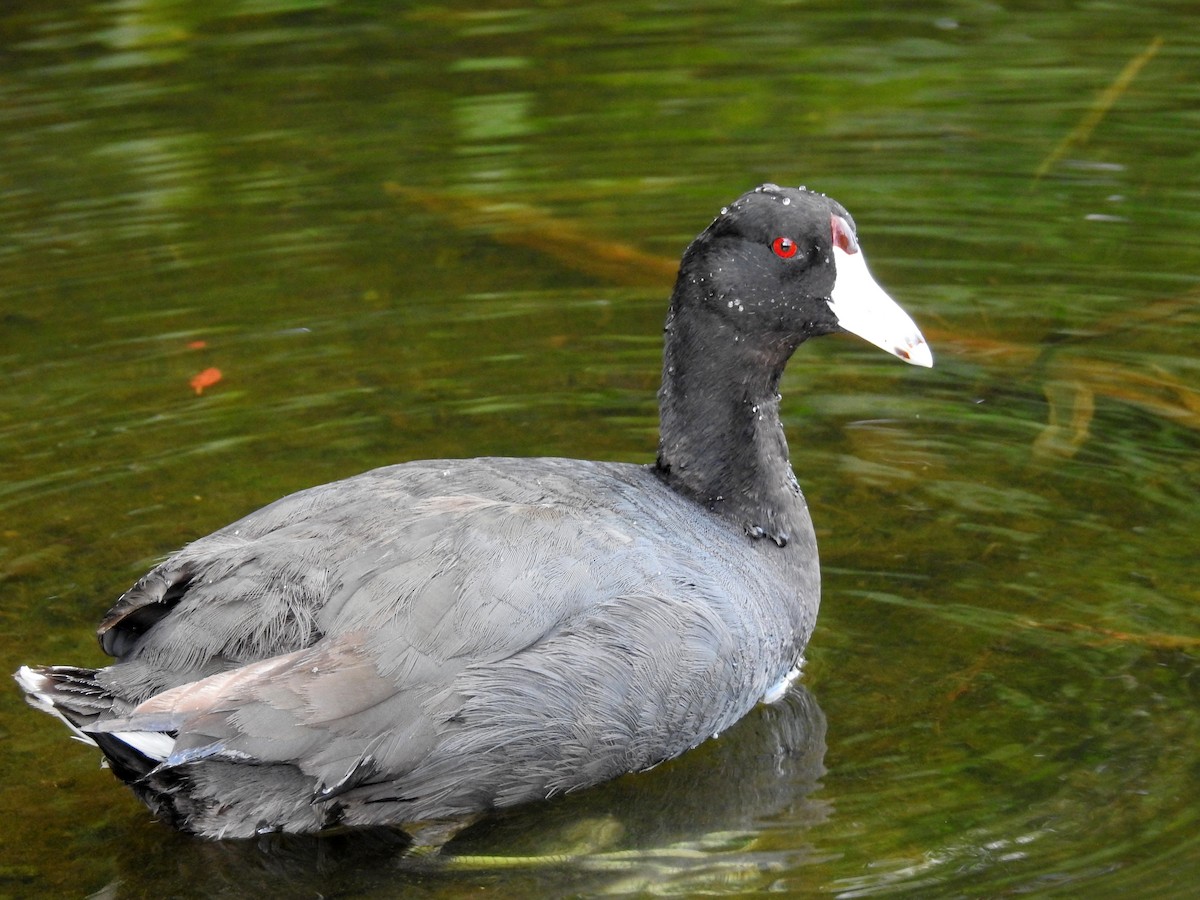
column 151, row 744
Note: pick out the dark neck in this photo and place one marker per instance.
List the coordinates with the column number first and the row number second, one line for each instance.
column 720, row 439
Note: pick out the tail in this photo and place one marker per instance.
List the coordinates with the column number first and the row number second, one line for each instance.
column 68, row 693
column 222, row 799
column 77, row 698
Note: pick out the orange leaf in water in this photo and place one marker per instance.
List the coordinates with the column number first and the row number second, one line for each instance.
column 204, row 379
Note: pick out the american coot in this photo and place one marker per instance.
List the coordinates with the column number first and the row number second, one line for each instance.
column 428, row 641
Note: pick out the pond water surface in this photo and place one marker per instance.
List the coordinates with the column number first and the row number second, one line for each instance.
column 418, row 230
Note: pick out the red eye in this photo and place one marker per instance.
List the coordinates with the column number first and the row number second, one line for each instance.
column 843, row 236
column 784, row 247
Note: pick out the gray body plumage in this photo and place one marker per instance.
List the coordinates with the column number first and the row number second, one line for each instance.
column 428, row 640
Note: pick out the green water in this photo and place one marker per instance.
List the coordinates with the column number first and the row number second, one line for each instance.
column 398, row 231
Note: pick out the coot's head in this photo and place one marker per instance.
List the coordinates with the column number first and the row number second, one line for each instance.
column 786, row 263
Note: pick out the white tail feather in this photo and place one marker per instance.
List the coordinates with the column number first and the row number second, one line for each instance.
column 39, row 693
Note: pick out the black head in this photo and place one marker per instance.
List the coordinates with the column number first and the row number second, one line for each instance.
column 784, row 264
